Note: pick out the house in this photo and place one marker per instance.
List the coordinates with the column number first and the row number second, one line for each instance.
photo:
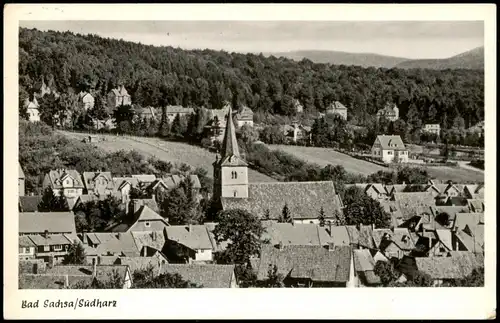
column 445, row 269
column 146, row 219
column 475, row 205
column 188, row 243
column 98, row 183
column 244, row 116
column 232, row 190
column 118, row 97
column 150, row 242
column 299, row 108
column 464, row 219
column 27, row 248
column 124, row 185
column 171, row 181
column 176, row 110
column 21, row 181
column 311, row 266
column 70, row 276
column 337, row 108
column 109, row 244
column 205, row 275
column 297, row 132
column 376, row 191
column 52, row 247
column 433, row 128
column 389, row 149
column 364, row 268
column 86, row 101
column 33, row 223
column 390, row 112
column 394, row 243
column 474, row 191
column 32, row 108
column 299, row 234
column 65, row 181
column 471, row 239
column 413, row 204
column 147, row 113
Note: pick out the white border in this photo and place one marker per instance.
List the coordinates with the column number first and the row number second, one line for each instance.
column 244, row 303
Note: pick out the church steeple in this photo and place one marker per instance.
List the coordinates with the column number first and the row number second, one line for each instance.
column 230, row 144
column 230, row 171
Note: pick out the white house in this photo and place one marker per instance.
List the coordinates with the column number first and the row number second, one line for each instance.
column 389, row 149
column 434, row 128
column 86, row 101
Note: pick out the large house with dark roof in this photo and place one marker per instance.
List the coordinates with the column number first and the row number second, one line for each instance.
column 389, row 149
column 337, row 108
column 232, row 190
column 98, row 183
column 119, row 96
column 66, row 181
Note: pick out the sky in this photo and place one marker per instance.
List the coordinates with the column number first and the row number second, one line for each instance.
column 408, row 39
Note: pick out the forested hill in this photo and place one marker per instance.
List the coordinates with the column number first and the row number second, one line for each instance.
column 159, row 76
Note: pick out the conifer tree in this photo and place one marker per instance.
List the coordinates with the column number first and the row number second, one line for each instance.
column 321, row 217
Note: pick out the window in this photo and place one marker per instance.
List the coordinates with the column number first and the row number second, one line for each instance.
column 234, row 175
column 26, row 250
column 389, row 152
column 57, row 247
column 46, row 248
column 147, row 224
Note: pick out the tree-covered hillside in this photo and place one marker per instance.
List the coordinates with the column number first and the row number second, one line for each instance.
column 159, row 76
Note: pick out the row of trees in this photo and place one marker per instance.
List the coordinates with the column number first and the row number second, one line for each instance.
column 157, row 76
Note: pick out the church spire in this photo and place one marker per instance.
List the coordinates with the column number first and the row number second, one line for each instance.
column 230, row 144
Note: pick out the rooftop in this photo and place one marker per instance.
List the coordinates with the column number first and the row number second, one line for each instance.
column 53, row 222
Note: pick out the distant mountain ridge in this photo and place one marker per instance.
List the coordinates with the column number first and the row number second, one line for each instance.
column 472, row 59
column 342, row 58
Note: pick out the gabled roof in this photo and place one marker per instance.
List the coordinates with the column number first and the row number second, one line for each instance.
column 244, row 113
column 25, row 241
column 193, row 237
column 51, row 240
column 413, row 203
column 306, row 234
column 152, row 239
column 110, row 243
column 447, row 267
column 56, row 177
column 120, row 91
column 472, row 239
column 391, row 142
column 304, row 199
column 379, row 188
column 207, row 276
column 140, row 263
column 145, row 213
column 364, row 263
column 311, row 262
column 29, row 203
column 445, row 237
column 366, row 237
column 90, row 177
column 53, row 222
column 475, row 205
column 336, row 105
column 43, row 281
column 172, row 181
column 470, row 219
column 119, row 182
column 353, row 233
column 21, row 172
column 145, row 177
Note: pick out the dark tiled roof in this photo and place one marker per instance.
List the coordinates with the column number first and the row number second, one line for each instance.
column 470, row 219
column 304, row 199
column 140, row 263
column 30, row 281
column 454, row 267
column 311, row 262
column 90, row 177
column 29, row 203
column 110, row 243
column 208, row 276
column 51, row 240
column 25, row 241
column 353, row 234
column 54, row 222
column 193, row 237
column 56, row 177
column 413, row 204
column 306, row 234
column 152, row 239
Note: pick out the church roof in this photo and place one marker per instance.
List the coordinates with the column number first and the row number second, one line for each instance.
column 304, row 199
column 230, row 153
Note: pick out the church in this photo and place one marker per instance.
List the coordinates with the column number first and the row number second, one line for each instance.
column 267, row 200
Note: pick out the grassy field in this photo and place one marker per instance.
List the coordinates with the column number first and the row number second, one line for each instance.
column 174, row 152
column 325, row 156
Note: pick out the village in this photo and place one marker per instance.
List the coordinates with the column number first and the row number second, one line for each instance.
column 436, row 230
column 161, row 167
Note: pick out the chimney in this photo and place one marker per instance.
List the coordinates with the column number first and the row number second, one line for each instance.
column 280, row 245
column 331, row 246
column 119, row 236
column 373, row 226
column 66, row 281
column 189, row 227
column 46, row 234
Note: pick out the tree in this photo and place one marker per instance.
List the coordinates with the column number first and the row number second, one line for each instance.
column 267, row 215
column 443, row 218
column 146, row 278
column 178, row 205
column 23, row 101
column 386, row 271
column 321, row 217
column 459, row 123
column 123, row 116
column 362, row 209
column 164, row 128
column 274, row 279
column 285, row 215
column 50, row 109
column 243, row 230
column 76, row 254
column 52, row 203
